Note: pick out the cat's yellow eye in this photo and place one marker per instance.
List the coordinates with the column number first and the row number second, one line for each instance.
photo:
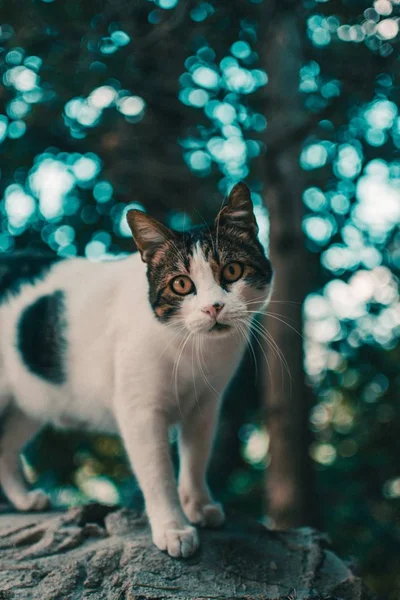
column 182, row 285
column 232, row 272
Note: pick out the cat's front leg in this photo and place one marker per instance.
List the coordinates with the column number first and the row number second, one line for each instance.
column 195, row 442
column 145, row 434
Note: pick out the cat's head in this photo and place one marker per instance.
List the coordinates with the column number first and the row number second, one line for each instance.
column 211, row 279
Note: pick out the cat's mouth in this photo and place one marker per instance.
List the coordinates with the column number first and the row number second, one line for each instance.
column 217, row 327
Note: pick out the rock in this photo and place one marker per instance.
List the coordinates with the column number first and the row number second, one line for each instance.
column 97, row 552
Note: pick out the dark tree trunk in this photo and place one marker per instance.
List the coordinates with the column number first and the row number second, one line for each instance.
column 290, row 495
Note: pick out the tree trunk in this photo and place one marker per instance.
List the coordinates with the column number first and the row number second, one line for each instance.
column 290, row 495
column 95, row 553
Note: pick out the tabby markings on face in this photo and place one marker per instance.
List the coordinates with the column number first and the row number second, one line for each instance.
column 204, row 279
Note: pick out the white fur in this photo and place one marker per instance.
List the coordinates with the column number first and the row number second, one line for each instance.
column 123, row 375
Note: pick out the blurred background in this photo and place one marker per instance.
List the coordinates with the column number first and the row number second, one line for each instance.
column 163, row 105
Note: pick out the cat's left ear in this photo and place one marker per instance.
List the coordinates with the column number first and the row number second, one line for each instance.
column 148, row 233
column 239, row 210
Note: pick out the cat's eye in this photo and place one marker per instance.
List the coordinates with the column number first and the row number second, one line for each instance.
column 182, row 285
column 232, row 272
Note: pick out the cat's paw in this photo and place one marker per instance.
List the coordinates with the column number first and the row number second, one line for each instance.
column 177, row 541
column 210, row 514
column 36, row 500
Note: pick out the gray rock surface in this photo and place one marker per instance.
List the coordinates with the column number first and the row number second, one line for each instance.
column 97, row 553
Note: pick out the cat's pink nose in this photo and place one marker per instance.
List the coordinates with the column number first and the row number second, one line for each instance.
column 213, row 309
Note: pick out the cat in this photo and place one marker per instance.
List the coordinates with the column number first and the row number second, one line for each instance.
column 133, row 346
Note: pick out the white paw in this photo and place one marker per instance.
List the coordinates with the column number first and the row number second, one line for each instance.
column 36, row 500
column 178, row 542
column 210, row 514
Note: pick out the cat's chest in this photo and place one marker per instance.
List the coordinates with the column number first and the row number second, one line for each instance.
column 202, row 372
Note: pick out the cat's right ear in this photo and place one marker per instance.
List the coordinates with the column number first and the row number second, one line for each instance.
column 239, row 210
column 147, row 232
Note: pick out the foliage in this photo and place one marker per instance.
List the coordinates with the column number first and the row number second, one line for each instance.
column 352, row 322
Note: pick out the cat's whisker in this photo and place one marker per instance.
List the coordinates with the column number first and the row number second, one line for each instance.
column 203, row 372
column 256, row 300
column 176, row 249
column 285, row 302
column 253, row 332
column 218, row 220
column 180, row 354
column 176, row 368
column 198, row 357
column 269, row 340
column 268, row 337
column 270, row 314
column 195, row 341
column 204, row 376
column 208, row 227
column 245, row 334
column 178, row 333
column 276, row 316
column 177, row 252
column 264, row 311
column 256, row 330
column 248, row 334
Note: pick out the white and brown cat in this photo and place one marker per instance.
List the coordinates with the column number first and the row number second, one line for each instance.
column 133, row 346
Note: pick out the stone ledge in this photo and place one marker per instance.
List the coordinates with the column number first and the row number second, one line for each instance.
column 98, row 553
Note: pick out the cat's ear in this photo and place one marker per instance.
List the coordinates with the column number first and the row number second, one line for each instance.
column 238, row 212
column 147, row 232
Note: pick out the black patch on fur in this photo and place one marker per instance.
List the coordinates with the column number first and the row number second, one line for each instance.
column 220, row 246
column 20, row 268
column 41, row 337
